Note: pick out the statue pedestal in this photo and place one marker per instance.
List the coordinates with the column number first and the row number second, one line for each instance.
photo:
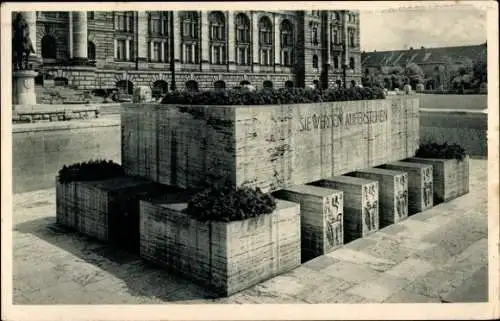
column 23, row 87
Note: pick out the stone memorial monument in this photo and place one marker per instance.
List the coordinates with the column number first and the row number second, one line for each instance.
column 23, row 75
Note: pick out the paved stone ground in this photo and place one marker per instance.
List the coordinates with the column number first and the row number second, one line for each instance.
column 439, row 255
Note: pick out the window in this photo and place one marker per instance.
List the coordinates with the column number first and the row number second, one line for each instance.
column 315, row 61
column 156, row 51
column 242, row 25
column 121, row 48
column 190, row 53
column 219, row 85
column 90, row 15
column 351, row 38
column 158, row 23
column 314, row 34
column 190, row 25
column 243, row 56
column 124, row 21
column 286, row 32
column 91, row 50
column 49, row 48
column 190, row 37
column 267, row 84
column 351, row 63
column 265, row 41
column 337, row 16
column 217, row 37
column 336, row 62
column 335, row 36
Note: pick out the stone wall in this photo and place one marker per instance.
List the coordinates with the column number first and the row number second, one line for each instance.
column 267, row 146
column 40, row 150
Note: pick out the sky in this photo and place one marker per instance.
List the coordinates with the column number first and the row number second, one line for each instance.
column 422, row 26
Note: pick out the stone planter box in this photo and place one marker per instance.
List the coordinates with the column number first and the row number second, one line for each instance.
column 393, row 193
column 107, row 210
column 321, row 218
column 420, row 185
column 361, row 204
column 271, row 147
column 225, row 257
column 450, row 177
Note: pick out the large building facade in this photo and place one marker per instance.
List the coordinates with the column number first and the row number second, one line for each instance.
column 206, row 49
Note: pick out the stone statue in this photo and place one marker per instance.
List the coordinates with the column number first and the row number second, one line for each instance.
column 21, row 43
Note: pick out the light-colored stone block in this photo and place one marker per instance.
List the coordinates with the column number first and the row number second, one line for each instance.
column 420, row 184
column 393, row 193
column 321, row 218
column 361, row 204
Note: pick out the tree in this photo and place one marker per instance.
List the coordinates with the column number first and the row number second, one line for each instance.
column 480, row 71
column 414, row 74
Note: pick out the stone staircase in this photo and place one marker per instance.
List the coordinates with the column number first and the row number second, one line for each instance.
column 64, row 95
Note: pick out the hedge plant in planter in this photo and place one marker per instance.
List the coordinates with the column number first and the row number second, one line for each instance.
column 226, row 238
column 269, row 96
column 97, row 199
column 450, row 165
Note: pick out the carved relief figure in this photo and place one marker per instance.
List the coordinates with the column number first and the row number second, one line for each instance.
column 21, row 43
column 333, row 218
column 401, row 197
column 427, row 190
column 370, row 207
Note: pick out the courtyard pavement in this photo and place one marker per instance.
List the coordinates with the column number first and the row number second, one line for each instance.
column 439, row 255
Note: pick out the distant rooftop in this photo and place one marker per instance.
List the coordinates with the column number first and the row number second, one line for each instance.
column 423, row 55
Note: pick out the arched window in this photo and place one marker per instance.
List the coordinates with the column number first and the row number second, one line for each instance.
column 125, row 87
column 191, row 85
column 217, row 38
column 160, row 88
column 190, row 37
column 265, row 41
column 242, row 25
column 91, row 50
column 219, row 85
column 289, row 84
column 286, row 32
column 49, row 48
column 351, row 63
column 267, row 84
column 315, row 61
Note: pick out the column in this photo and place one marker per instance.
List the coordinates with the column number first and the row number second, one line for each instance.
column 205, row 41
column 70, row 34
column 151, row 50
column 142, row 40
column 127, row 49
column 345, row 38
column 115, row 48
column 80, row 36
column 176, row 39
column 162, row 51
column 231, row 41
column 255, row 42
column 277, row 42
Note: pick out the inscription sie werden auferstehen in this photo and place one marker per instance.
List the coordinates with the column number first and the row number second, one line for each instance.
column 314, row 121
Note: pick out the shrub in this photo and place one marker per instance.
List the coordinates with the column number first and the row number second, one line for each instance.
column 225, row 202
column 443, row 151
column 90, row 171
column 271, row 96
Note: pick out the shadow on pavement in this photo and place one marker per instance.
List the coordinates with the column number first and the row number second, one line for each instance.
column 141, row 278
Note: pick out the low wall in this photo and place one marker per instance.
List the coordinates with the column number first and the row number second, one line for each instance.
column 39, row 150
column 271, row 147
column 448, row 101
column 467, row 128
